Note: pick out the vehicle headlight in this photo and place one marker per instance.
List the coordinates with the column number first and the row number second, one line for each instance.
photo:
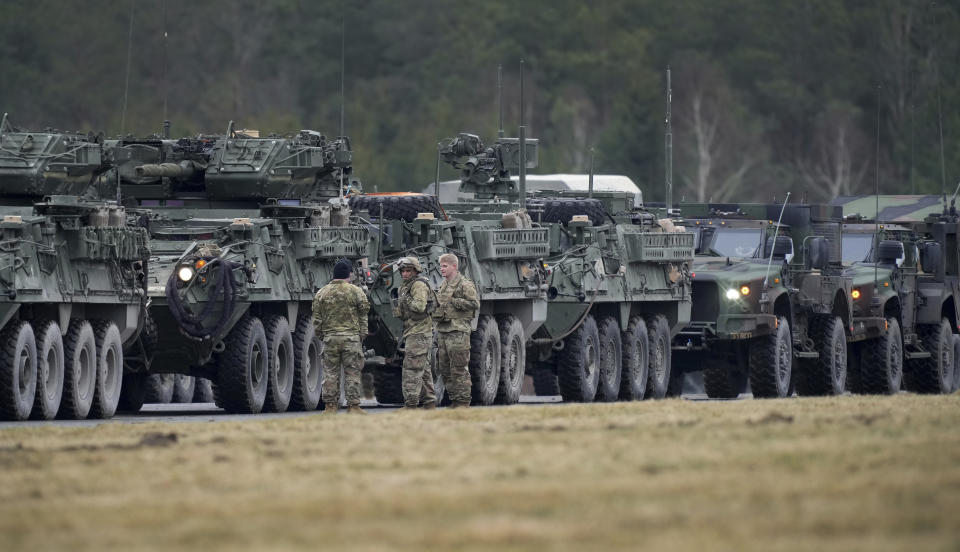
column 732, row 294
column 185, row 273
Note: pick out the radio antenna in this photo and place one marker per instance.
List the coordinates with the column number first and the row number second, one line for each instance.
column 523, row 148
column 668, row 147
column 343, row 65
column 126, row 85
column 166, row 84
column 500, row 98
column 876, row 216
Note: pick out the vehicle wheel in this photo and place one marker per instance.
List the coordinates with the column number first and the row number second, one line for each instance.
column 133, row 391
column 881, row 361
column 80, row 371
column 934, row 374
column 956, row 363
column 280, row 360
column 160, row 388
column 771, row 362
column 513, row 359
column 636, row 360
column 544, row 381
column 49, row 371
column 611, row 359
column 307, row 366
column 563, row 210
column 397, row 207
column 658, row 378
column 578, row 363
column 203, row 390
column 485, row 361
column 18, row 370
column 109, row 369
column 826, row 375
column 388, row 384
column 183, row 388
column 242, row 368
column 722, row 379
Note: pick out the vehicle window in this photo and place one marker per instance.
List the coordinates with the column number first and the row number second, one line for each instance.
column 857, row 248
column 736, row 242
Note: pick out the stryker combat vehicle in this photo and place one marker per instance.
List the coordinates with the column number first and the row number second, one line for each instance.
column 906, row 286
column 566, row 287
column 770, row 301
column 243, row 231
column 72, row 289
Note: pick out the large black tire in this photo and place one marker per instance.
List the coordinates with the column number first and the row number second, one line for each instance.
column 513, row 359
column 956, row 363
column 771, row 362
column 659, row 371
column 934, row 374
column 183, row 388
column 545, row 382
column 563, row 210
column 280, row 359
column 80, row 371
column 202, row 391
column 18, row 370
column 827, row 374
column 881, row 362
column 49, row 370
column 388, row 384
column 721, row 379
column 242, row 368
column 109, row 369
column 307, row 366
column 402, row 207
column 578, row 363
column 636, row 360
column 485, row 361
column 160, row 388
column 611, row 359
column 133, row 391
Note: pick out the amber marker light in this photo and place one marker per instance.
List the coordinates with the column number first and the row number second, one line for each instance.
column 745, row 290
column 855, row 294
column 886, row 284
column 200, row 264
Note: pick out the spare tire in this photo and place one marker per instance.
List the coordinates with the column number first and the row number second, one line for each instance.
column 562, row 210
column 397, row 207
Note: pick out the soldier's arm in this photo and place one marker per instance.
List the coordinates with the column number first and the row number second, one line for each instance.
column 317, row 319
column 417, row 298
column 468, row 300
column 363, row 307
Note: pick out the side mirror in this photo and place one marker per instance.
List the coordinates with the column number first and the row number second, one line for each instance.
column 890, row 252
column 931, row 255
column 818, row 253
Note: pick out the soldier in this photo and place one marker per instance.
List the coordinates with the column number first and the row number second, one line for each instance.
column 340, row 318
column 414, row 304
column 457, row 304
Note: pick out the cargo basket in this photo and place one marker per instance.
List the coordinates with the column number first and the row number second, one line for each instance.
column 658, row 246
column 504, row 243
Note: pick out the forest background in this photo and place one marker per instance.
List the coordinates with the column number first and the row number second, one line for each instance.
column 817, row 97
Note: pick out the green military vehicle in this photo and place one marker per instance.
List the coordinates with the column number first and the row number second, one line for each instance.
column 584, row 291
column 905, row 292
column 243, row 231
column 72, row 279
column 771, row 303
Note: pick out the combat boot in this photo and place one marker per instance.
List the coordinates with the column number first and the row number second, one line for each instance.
column 429, row 405
column 330, row 409
column 355, row 409
column 409, row 407
column 460, row 404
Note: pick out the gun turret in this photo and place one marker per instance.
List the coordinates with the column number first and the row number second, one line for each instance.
column 485, row 171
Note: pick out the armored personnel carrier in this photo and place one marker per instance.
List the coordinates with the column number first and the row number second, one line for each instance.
column 569, row 285
column 72, row 279
column 243, row 230
column 771, row 302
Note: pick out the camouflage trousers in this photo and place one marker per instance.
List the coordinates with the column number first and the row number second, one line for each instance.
column 417, row 374
column 342, row 352
column 453, row 360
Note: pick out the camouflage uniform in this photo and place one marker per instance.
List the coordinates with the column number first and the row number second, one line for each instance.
column 340, row 318
column 412, row 302
column 457, row 303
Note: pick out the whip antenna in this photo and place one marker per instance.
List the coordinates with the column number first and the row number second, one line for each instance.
column 126, row 85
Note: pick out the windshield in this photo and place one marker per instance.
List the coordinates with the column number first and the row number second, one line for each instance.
column 857, row 247
column 736, row 242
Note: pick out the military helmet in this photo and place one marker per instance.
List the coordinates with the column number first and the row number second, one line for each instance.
column 409, row 262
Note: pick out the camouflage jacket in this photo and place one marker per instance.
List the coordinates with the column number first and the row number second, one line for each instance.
column 340, row 308
column 457, row 303
column 414, row 297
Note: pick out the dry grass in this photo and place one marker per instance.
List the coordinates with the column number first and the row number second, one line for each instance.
column 827, row 474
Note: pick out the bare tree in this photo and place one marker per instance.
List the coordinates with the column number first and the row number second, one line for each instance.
column 838, row 156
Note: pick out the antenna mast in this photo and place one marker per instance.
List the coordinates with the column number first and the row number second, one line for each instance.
column 343, row 41
column 523, row 148
column 166, row 85
column 876, row 216
column 668, row 147
column 500, row 99
column 126, row 85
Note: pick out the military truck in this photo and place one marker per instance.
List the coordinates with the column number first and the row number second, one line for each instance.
column 243, row 230
column 905, row 290
column 771, row 302
column 568, row 287
column 72, row 279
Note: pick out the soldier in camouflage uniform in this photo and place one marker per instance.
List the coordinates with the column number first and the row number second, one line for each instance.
column 457, row 303
column 414, row 304
column 340, row 318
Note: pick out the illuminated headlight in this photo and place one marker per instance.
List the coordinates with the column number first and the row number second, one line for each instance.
column 185, row 273
column 732, row 294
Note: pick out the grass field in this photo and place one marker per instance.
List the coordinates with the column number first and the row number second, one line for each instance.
column 845, row 473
